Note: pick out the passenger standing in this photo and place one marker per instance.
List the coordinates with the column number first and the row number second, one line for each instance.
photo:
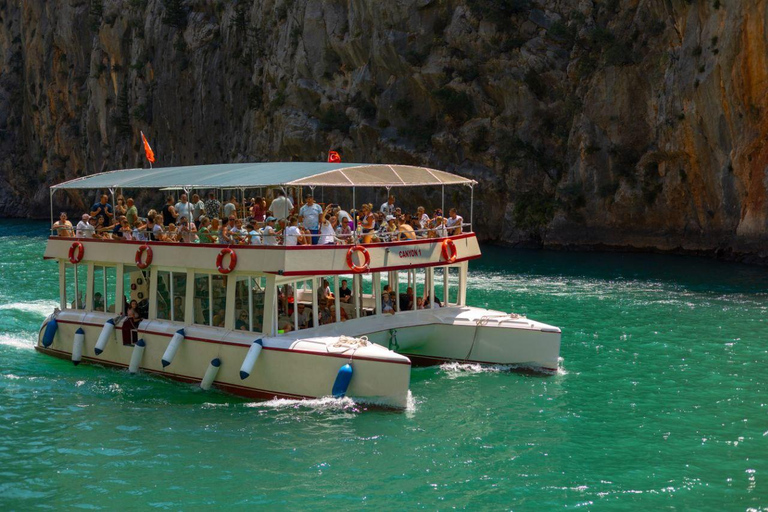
column 62, row 226
column 309, row 214
column 259, row 210
column 198, row 208
column 230, row 208
column 184, row 208
column 169, row 212
column 120, row 208
column 388, row 208
column 212, row 207
column 102, row 209
column 281, row 206
column 131, row 213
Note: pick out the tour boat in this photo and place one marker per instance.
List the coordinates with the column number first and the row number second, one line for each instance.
column 214, row 311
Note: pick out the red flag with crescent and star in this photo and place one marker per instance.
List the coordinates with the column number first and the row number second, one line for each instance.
column 334, row 157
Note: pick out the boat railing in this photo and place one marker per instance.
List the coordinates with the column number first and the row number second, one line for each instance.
column 356, row 237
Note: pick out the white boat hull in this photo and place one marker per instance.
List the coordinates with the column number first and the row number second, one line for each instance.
column 305, row 368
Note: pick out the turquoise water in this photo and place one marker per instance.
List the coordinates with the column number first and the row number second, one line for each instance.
column 660, row 402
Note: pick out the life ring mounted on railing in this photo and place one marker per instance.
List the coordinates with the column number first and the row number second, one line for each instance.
column 76, row 253
column 232, row 260
column 449, row 250
column 366, row 259
column 142, row 264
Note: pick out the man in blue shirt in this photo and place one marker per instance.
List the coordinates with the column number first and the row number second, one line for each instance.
column 310, row 216
column 102, row 209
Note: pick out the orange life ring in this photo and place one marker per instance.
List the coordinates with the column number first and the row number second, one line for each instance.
column 232, row 260
column 366, row 256
column 140, row 252
column 449, row 250
column 76, row 257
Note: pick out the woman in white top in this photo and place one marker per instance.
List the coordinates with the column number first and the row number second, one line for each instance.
column 268, row 232
column 423, row 219
column 292, row 232
column 327, row 233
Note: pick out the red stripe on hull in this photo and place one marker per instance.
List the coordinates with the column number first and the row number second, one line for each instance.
column 276, row 349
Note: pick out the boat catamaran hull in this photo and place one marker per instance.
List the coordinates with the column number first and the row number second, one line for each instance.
column 223, row 315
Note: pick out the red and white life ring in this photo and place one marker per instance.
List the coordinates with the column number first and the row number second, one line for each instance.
column 139, row 253
column 232, row 261
column 449, row 250
column 366, row 258
column 76, row 253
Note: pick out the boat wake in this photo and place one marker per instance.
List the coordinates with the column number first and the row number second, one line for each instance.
column 42, row 308
column 17, row 342
column 455, row 370
column 326, row 403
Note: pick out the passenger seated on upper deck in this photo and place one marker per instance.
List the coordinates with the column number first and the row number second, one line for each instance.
column 86, row 228
column 187, row 230
column 253, row 235
column 63, row 227
column 292, row 232
column 269, row 234
column 453, row 223
column 406, row 231
column 204, row 234
column 229, row 232
column 158, row 232
column 171, row 234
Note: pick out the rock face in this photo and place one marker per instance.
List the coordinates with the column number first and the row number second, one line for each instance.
column 612, row 123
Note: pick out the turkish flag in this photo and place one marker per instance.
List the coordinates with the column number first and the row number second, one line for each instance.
column 147, row 149
column 333, row 157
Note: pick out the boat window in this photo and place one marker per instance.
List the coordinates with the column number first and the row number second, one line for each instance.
column 179, row 294
column 452, row 297
column 202, row 301
column 99, row 289
column 219, row 300
column 69, row 286
column 285, row 300
column 171, row 292
column 249, row 303
column 110, row 279
column 81, row 285
column 136, row 288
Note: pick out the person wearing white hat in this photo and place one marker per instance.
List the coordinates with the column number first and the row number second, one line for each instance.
column 84, row 228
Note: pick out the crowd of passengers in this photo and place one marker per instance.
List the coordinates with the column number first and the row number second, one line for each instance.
column 276, row 223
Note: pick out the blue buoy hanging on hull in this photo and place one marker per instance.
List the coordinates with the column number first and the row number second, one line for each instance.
column 210, row 374
column 50, row 333
column 138, row 353
column 250, row 359
column 106, row 333
column 77, row 346
column 342, row 381
column 173, row 346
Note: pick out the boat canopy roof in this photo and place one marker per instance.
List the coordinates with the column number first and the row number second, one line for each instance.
column 267, row 174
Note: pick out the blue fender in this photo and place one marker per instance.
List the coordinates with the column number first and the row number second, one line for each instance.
column 50, row 333
column 342, row 381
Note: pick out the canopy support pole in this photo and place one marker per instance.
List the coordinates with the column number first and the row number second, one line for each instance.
column 112, row 193
column 442, row 200
column 354, row 217
column 51, row 198
column 471, row 206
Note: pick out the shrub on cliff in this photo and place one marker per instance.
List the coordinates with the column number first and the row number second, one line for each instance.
column 455, row 104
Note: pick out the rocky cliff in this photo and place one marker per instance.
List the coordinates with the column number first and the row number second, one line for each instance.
column 613, row 123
